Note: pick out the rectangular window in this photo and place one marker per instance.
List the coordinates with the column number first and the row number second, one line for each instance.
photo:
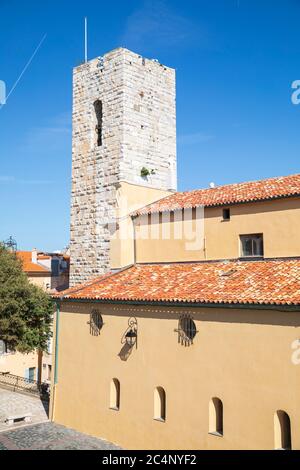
column 3, row 349
column 31, row 374
column 226, row 214
column 49, row 346
column 252, row 245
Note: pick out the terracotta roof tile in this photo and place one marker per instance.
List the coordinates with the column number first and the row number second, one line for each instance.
column 264, row 282
column 43, row 257
column 28, row 265
column 272, row 188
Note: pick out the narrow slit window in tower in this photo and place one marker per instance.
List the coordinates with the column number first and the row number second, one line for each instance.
column 99, row 117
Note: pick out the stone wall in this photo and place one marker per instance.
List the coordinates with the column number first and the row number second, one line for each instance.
column 138, row 130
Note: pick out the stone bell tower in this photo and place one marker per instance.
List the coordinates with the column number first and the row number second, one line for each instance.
column 124, row 122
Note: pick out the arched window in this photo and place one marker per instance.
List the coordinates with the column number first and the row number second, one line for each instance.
column 282, row 430
column 114, row 394
column 216, row 416
column 159, row 404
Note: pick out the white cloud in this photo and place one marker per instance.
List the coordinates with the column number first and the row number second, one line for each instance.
column 14, row 180
column 157, row 24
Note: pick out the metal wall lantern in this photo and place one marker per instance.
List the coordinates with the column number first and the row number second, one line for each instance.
column 130, row 336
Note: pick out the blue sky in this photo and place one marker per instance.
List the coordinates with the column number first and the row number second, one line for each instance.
column 235, row 61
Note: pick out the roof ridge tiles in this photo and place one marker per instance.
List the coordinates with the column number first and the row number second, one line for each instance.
column 233, row 193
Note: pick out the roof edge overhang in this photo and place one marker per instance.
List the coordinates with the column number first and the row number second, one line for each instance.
column 232, row 306
column 136, row 214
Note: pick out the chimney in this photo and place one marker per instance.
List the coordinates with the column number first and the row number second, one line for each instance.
column 34, row 256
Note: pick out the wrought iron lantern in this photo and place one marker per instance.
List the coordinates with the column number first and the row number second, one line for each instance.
column 130, row 336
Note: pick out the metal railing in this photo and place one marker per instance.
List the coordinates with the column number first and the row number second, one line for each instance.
column 21, row 384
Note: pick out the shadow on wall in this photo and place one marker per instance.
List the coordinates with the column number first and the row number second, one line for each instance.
column 125, row 352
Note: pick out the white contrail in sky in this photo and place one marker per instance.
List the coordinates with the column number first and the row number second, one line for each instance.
column 26, row 67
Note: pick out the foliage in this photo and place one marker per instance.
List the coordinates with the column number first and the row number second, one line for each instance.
column 145, row 172
column 25, row 309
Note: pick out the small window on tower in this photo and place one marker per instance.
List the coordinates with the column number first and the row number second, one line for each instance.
column 99, row 116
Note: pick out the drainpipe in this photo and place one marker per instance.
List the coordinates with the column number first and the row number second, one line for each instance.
column 56, row 341
column 134, row 239
column 55, row 380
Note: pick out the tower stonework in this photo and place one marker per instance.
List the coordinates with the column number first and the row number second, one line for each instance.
column 124, row 121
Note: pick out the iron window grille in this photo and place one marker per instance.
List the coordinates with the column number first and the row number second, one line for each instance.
column 96, row 323
column 186, row 330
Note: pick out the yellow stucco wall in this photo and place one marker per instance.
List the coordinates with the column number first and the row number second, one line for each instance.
column 242, row 357
column 17, row 363
column 40, row 279
column 130, row 197
column 278, row 221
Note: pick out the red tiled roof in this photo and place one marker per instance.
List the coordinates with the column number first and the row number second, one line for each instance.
column 251, row 191
column 43, row 257
column 266, row 282
column 28, row 265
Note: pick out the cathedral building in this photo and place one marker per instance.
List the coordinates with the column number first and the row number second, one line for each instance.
column 181, row 328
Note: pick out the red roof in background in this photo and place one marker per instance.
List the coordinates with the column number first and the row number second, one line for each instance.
column 43, row 257
column 28, row 265
column 251, row 191
column 266, row 282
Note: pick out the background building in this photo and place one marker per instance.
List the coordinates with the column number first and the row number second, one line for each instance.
column 50, row 271
column 47, row 270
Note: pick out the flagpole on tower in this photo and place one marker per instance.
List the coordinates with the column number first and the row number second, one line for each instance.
column 85, row 40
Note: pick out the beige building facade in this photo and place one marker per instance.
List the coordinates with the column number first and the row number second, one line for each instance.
column 207, row 236
column 243, row 357
column 181, row 329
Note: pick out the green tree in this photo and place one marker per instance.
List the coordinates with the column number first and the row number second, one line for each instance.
column 26, row 311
